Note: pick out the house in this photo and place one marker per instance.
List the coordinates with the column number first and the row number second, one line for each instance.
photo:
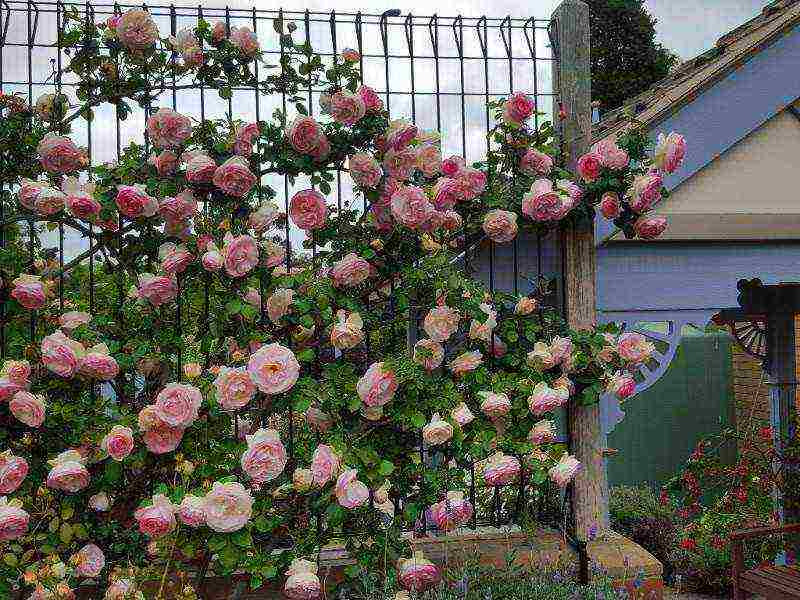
column 734, row 213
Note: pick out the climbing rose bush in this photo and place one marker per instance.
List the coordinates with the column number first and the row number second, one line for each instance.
column 211, row 398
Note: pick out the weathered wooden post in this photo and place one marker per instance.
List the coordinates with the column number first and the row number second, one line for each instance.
column 573, row 119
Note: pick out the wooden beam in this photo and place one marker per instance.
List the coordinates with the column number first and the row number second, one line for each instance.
column 572, row 76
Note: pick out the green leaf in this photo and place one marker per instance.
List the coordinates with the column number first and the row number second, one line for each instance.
column 10, row 560
column 385, row 468
column 65, row 533
column 242, row 538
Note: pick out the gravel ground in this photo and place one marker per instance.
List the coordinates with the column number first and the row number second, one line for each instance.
column 671, row 594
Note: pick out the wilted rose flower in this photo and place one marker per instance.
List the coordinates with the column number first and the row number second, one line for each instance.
column 51, row 107
column 467, row 361
column 133, row 201
column 118, row 442
column 177, row 404
column 648, row 228
column 560, row 348
column 610, row 206
column 535, row 163
column 157, row 289
column 350, row 271
column 325, row 465
column 60, row 354
column 564, row 471
column 347, row 331
column 234, row 388
column 350, row 492
column 452, row 512
column 622, row 385
column 265, row 457
column 417, row 573
column 136, row 30
column 634, row 347
column 428, row 353
column 240, row 255
column 13, row 520
column 377, row 386
column 273, row 368
column 168, row 128
column 500, row 225
column 500, row 469
column 13, row 470
column 437, row 432
column 234, row 177
column 190, row 511
column 244, row 138
column 308, row 210
column 429, row 159
column 302, row 582
column 99, row 502
column 347, row 108
column 245, row 40
column 158, row 519
column 123, row 589
column 218, row 32
column 192, row 370
column 669, row 152
column 227, row 507
column 59, row 154
column 372, row 101
column 28, row 408
column 441, row 322
column 543, row 432
column 279, row 304
column 365, row 170
column 541, row 357
column 29, row 291
column 89, row 561
column 68, row 473
column 318, row 419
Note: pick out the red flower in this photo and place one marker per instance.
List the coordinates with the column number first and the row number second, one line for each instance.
column 688, row 544
column 765, row 433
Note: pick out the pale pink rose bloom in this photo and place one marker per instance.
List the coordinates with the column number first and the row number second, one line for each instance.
column 29, row 191
column 302, row 582
column 168, row 128
column 13, row 470
column 136, row 30
column 49, row 202
column 526, row 305
column 429, row 159
column 158, row 519
column 561, row 348
column 177, row 404
column 452, row 165
column 184, row 40
column 79, row 199
column 234, row 388
column 622, row 385
column 305, row 135
column 180, row 208
column 13, row 520
column 350, row 271
column 347, row 331
column 465, row 362
column 634, row 347
column 273, row 368
column 669, row 153
column 495, row 405
column 543, row 399
column 437, row 432
column 192, row 370
column 535, row 163
column 68, row 473
column 564, row 470
column 648, row 228
column 610, row 206
column 441, row 322
column 411, row 207
column 265, row 457
column 253, row 298
column 350, row 492
column 451, row 220
column 417, row 573
column 564, row 383
column 17, row 371
column 518, row 108
column 543, row 432
column 318, row 419
column 377, row 386
column 157, row 289
column 347, row 108
column 279, row 304
column 645, row 192
column 400, row 134
column 133, row 201
column 611, row 155
column 29, row 291
column 325, row 465
column 98, row 364
column 190, row 511
column 428, row 353
column 123, row 589
column 400, row 164
column 544, row 203
column 500, row 469
column 174, row 258
column 162, row 438
column 227, row 507
column 61, row 355
column 200, row 168
column 244, row 138
column 234, row 177
column 500, row 225
column 541, row 357
column 446, row 193
column 264, row 217
column 589, row 166
column 99, row 502
column 462, row 415
column 89, row 561
column 322, row 151
column 240, row 255
column 218, row 32
column 472, row 182
column 308, row 210
column 245, row 40
column 273, row 252
column 59, row 154
column 118, row 442
column 365, row 170
column 165, row 162
column 73, row 319
column 372, row 101
column 212, row 260
column 452, row 512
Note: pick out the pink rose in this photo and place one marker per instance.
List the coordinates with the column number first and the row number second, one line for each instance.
column 59, row 154
column 518, row 108
column 177, row 404
column 98, row 364
column 500, row 225
column 365, row 170
column 535, row 163
column 305, row 135
column 219, row 32
column 245, row 40
column 400, row 134
column 350, row 492
column 411, row 207
column 610, row 206
column 68, row 473
column 162, row 438
column 122, row 589
column 350, row 271
column 18, row 371
column 273, row 368
column 441, row 322
column 234, row 388
column 265, row 457
column 462, row 415
column 429, row 159
column 634, row 347
column 377, row 386
column 99, row 502
column 669, row 153
column 417, row 573
column 611, row 155
column 500, row 469
column 400, row 164
column 429, row 354
column 648, row 228
column 589, row 166
column 29, row 291
column 302, row 582
column 245, row 137
column 371, row 100
column 118, row 442
column 308, row 210
column 89, row 561
column 264, row 217
column 79, row 199
column 168, row 128
column 180, row 208
column 465, row 362
column 174, row 258
column 452, row 165
column 157, row 289
column 227, row 507
column 13, row 520
column 543, row 432
column 452, row 512
column 347, row 331
column 543, row 203
column 234, row 177
column 133, row 201
column 544, row 398
column 564, row 471
column 325, row 465
column 350, row 55
column 61, row 355
column 212, row 260
column 240, row 254
column 13, row 470
column 622, row 385
column 253, row 298
column 347, row 108
column 645, row 192
column 437, row 432
column 136, row 30
column 472, row 182
column 200, row 168
column 318, row 419
column 495, row 405
column 9, row 387
column 190, row 511
column 158, row 519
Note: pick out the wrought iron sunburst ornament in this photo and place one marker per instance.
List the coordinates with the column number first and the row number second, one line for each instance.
column 751, row 336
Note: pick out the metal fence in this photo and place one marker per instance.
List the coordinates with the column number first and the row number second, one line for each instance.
column 439, row 71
